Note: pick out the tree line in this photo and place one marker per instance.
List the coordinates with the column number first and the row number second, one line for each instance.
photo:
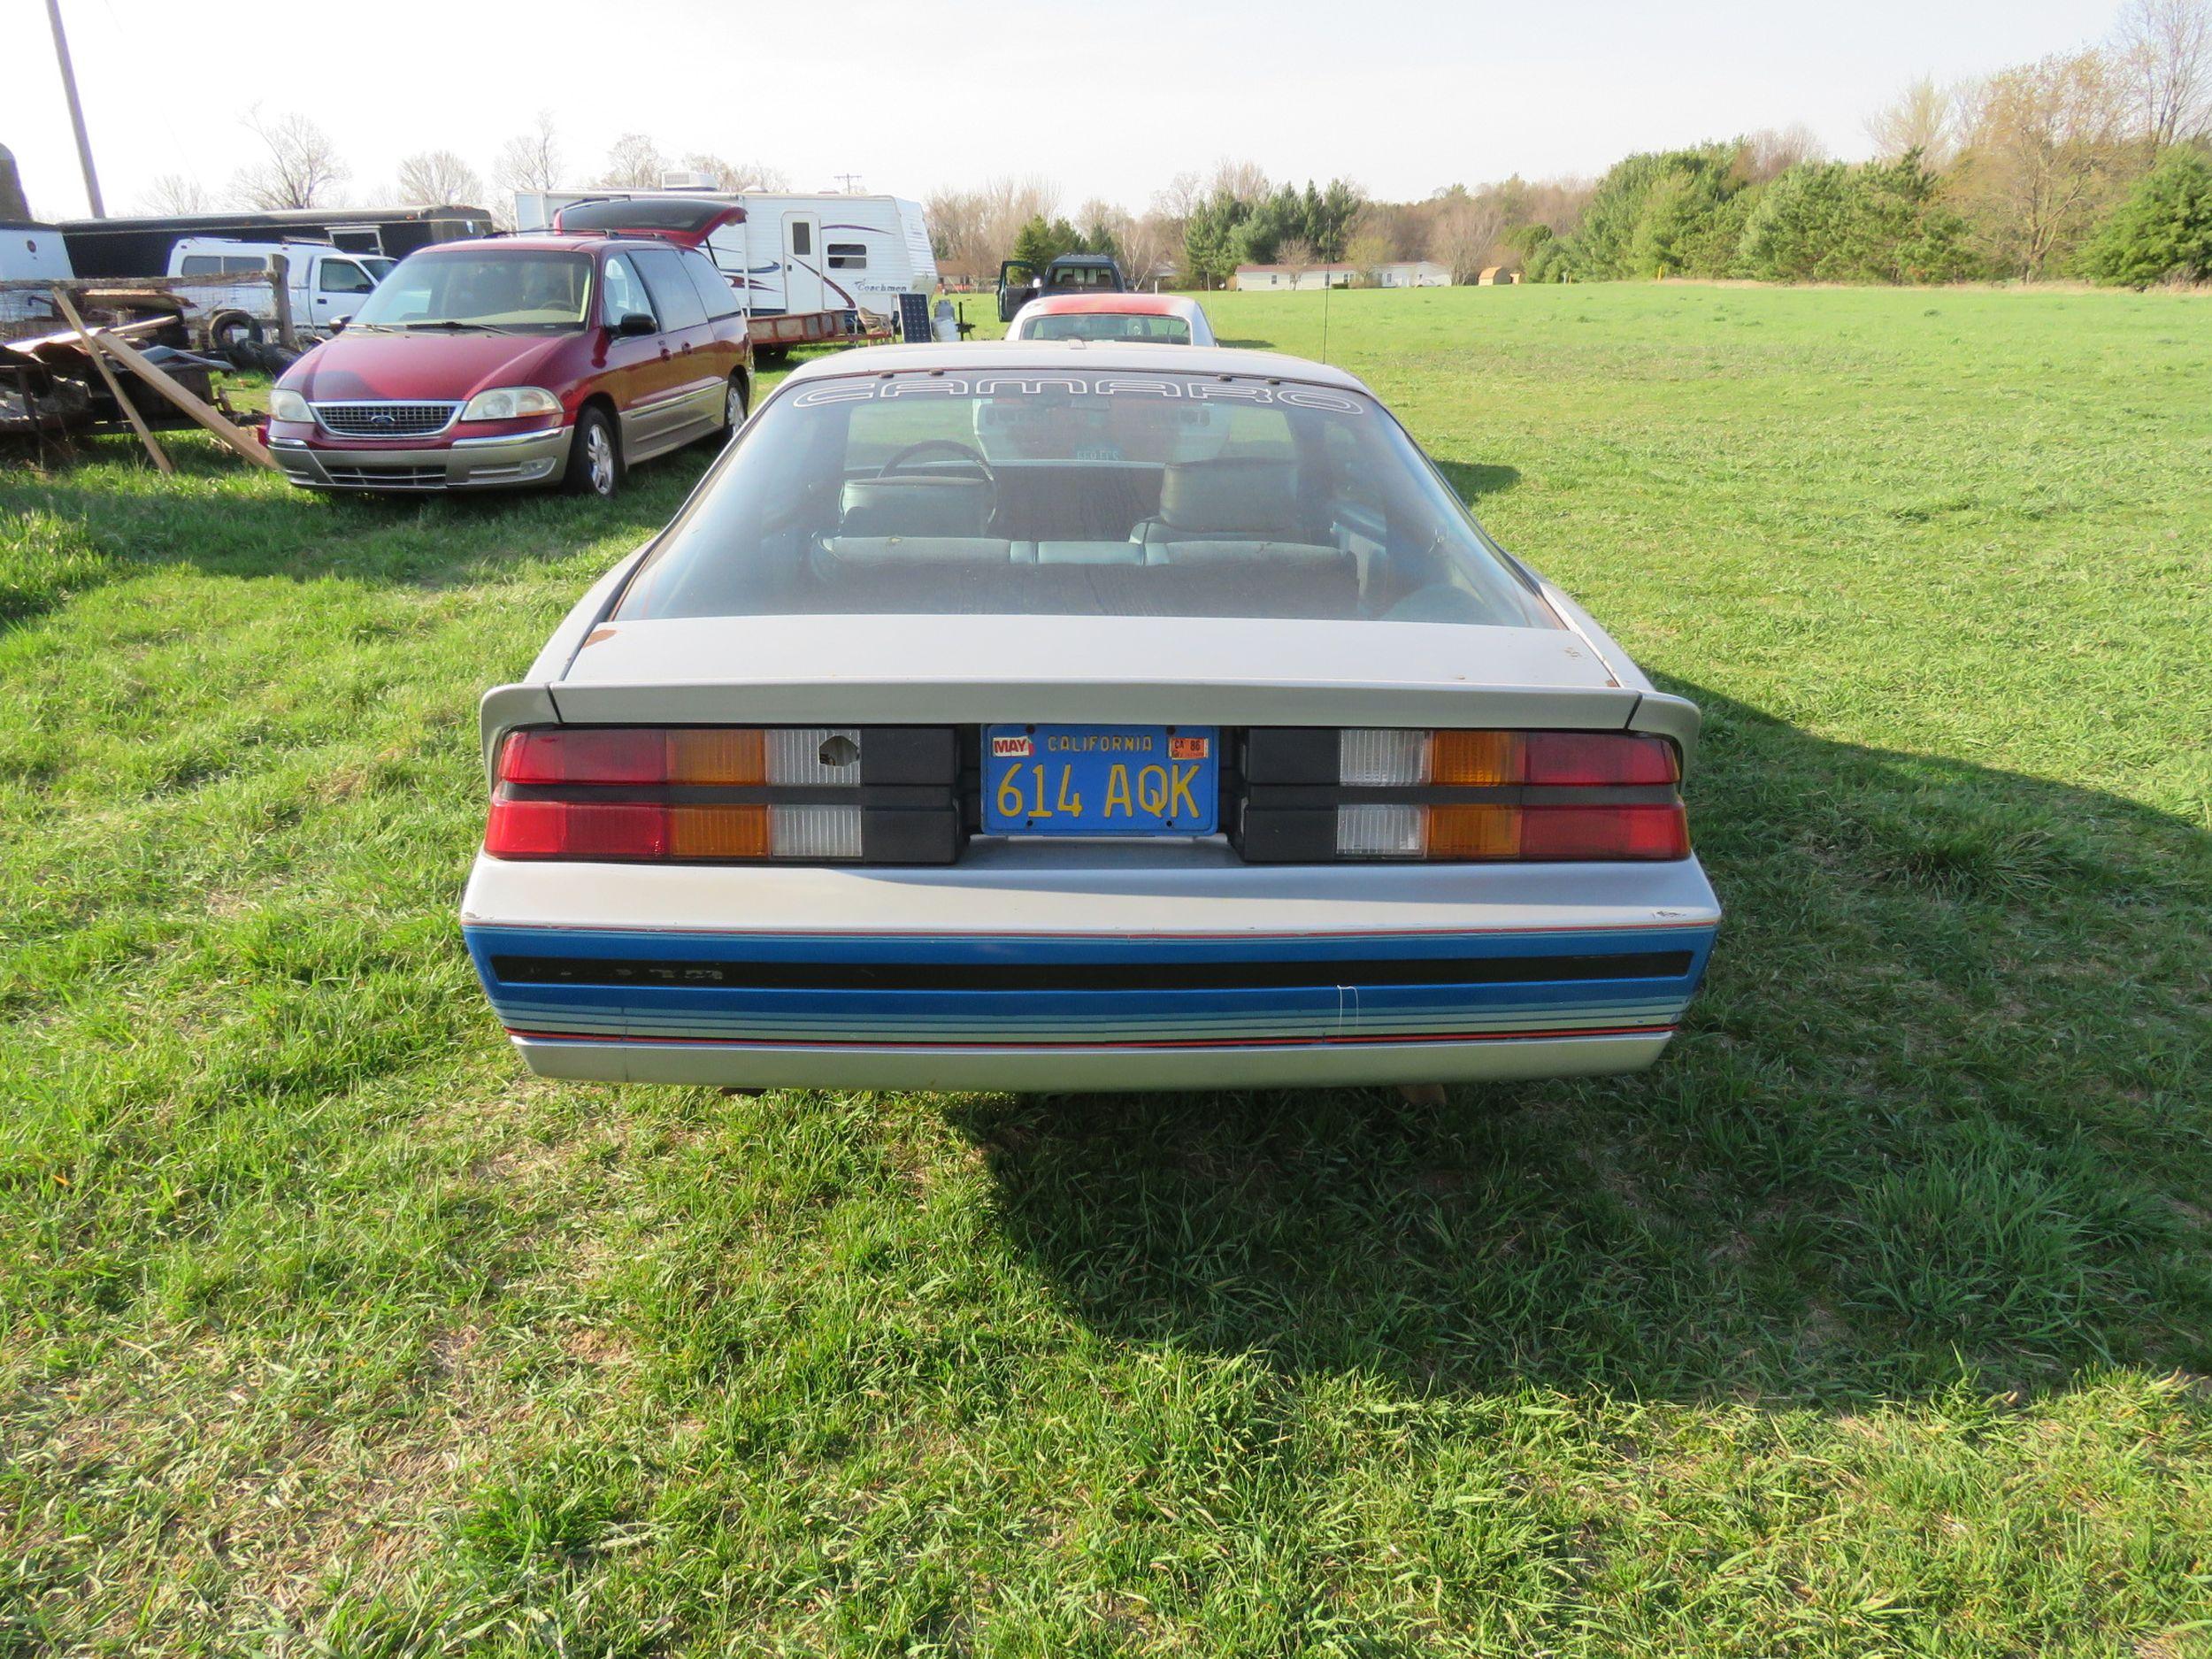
column 2094, row 164
column 299, row 166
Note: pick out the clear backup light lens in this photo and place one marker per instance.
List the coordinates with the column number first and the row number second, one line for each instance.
column 814, row 832
column 1382, row 831
column 285, row 405
column 510, row 402
column 1371, row 756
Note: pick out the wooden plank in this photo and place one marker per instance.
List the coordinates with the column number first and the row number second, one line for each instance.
column 31, row 345
column 134, row 285
column 130, row 410
column 242, row 441
column 280, row 291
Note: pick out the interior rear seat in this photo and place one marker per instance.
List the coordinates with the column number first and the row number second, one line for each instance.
column 1237, row 499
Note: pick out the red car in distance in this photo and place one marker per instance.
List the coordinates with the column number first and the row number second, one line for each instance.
column 516, row 361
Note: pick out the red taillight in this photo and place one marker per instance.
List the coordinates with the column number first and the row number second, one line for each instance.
column 1597, row 760
column 634, row 755
column 1642, row 830
column 642, row 829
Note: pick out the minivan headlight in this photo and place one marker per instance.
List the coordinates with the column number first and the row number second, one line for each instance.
column 285, row 405
column 506, row 403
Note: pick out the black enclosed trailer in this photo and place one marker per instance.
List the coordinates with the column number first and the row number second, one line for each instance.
column 140, row 247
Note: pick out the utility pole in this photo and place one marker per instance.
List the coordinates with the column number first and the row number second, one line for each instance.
column 76, row 109
column 847, row 179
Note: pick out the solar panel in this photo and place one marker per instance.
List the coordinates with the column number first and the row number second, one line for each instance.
column 914, row 317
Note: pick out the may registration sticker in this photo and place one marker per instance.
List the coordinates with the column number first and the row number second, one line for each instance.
column 1100, row 779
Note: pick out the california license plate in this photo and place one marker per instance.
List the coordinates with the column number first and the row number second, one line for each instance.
column 1100, row 779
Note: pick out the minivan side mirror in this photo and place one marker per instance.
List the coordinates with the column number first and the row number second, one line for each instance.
column 636, row 323
column 337, row 325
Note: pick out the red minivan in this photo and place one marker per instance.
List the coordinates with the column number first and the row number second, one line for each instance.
column 517, row 360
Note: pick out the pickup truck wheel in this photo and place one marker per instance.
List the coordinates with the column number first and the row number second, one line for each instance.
column 594, row 463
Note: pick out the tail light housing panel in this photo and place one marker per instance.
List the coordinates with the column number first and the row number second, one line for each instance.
column 727, row 794
column 1322, row 795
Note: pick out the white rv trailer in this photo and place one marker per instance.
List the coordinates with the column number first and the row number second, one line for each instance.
column 809, row 267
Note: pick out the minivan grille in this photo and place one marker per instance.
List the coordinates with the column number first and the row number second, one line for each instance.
column 385, row 420
column 385, row 477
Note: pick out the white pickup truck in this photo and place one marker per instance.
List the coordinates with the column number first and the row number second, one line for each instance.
column 326, row 285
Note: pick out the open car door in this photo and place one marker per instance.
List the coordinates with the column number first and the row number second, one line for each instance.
column 1014, row 279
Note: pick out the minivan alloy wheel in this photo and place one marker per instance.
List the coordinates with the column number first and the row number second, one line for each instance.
column 599, row 460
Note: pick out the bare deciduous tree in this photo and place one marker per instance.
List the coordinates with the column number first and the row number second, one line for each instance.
column 1245, row 181
column 1772, row 151
column 2165, row 49
column 176, row 193
column 732, row 176
column 956, row 230
column 1367, row 253
column 971, row 231
column 1919, row 117
column 1185, row 191
column 634, row 162
column 1463, row 233
column 528, row 161
column 438, row 178
column 302, row 169
column 2047, row 147
column 1149, row 245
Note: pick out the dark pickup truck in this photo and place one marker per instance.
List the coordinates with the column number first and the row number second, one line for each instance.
column 1020, row 281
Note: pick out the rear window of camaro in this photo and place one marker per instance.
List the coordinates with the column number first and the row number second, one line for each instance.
column 1049, row 494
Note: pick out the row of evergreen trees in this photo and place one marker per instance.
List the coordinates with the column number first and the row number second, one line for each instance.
column 1695, row 212
column 1226, row 230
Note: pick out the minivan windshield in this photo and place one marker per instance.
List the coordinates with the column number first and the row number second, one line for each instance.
column 1040, row 493
column 519, row 289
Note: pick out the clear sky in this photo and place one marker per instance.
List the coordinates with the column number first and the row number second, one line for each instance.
column 1104, row 98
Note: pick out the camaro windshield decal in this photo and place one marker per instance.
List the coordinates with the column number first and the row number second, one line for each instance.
column 1079, row 386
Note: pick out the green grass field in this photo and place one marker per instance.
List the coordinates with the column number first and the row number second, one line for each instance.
column 1877, row 1319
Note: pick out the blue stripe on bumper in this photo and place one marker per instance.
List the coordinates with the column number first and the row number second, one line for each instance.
column 1323, row 1011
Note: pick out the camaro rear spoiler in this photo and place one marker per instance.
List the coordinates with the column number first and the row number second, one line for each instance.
column 971, row 670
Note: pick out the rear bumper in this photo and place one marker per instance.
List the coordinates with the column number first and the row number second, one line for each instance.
column 1039, row 969
column 1092, row 1069
column 518, row 460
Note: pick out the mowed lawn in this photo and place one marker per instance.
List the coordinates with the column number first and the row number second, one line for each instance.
column 1876, row 1319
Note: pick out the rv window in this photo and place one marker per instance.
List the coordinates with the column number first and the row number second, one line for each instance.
column 202, row 265
column 245, row 261
column 674, row 299
column 715, row 292
column 847, row 255
column 802, row 239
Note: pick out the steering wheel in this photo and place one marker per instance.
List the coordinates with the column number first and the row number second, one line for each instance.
column 971, row 456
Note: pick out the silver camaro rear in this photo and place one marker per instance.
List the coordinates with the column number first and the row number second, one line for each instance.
column 1053, row 717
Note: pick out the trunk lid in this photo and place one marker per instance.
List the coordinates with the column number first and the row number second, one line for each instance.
column 890, row 669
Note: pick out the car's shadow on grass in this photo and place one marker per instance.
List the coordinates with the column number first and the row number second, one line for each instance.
column 1937, row 1118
